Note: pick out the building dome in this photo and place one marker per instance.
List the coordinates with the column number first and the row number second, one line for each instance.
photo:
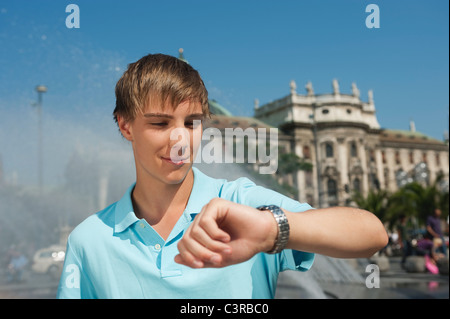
column 214, row 107
column 217, row 109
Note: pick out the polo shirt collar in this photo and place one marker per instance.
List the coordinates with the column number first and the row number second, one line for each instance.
column 124, row 212
column 204, row 189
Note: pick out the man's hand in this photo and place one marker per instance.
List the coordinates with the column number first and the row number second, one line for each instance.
column 226, row 233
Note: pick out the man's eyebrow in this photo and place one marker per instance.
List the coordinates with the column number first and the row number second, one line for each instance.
column 163, row 115
column 157, row 115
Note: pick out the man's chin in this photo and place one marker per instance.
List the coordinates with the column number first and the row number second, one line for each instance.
column 178, row 176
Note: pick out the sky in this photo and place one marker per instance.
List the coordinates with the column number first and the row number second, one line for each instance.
column 243, row 49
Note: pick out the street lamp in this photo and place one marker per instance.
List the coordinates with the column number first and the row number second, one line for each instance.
column 40, row 89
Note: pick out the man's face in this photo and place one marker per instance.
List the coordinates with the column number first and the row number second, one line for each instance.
column 437, row 212
column 165, row 141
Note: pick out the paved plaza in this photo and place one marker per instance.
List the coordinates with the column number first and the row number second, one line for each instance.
column 349, row 282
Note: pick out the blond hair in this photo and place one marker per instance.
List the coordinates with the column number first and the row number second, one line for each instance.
column 158, row 78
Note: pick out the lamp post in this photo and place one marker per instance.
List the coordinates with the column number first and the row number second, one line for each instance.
column 40, row 89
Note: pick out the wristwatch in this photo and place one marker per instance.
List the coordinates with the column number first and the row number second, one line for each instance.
column 283, row 227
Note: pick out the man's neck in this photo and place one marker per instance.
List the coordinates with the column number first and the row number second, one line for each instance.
column 161, row 204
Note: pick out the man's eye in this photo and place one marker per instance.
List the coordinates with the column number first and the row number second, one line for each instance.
column 159, row 124
column 193, row 123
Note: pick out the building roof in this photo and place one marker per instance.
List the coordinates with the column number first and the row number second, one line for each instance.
column 405, row 136
column 224, row 121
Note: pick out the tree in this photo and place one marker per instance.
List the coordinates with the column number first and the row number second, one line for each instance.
column 290, row 163
column 375, row 202
column 414, row 200
column 418, row 200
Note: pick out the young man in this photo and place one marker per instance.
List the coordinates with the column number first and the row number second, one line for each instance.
column 178, row 233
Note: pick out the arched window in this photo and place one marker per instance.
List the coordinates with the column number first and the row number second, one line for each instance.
column 332, row 189
column 329, row 150
column 424, row 157
column 306, row 152
column 353, row 151
column 438, row 159
column 397, row 157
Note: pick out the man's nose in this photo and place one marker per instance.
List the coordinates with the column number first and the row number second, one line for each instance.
column 180, row 142
column 180, row 149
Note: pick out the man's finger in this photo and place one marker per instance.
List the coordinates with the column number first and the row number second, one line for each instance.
column 193, row 252
column 204, row 238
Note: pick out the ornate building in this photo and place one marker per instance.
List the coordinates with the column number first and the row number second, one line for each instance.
column 340, row 136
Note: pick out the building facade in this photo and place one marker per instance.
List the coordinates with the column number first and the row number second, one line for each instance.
column 340, row 136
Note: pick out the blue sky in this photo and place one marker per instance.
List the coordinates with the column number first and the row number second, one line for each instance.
column 243, row 49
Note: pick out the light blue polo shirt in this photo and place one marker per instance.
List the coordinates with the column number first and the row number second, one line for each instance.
column 113, row 254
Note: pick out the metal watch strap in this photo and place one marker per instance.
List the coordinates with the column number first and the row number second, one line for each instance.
column 283, row 227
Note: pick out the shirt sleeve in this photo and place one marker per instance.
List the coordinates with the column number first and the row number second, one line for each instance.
column 69, row 284
column 245, row 192
column 296, row 260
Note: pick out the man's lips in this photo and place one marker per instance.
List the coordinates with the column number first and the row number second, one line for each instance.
column 176, row 161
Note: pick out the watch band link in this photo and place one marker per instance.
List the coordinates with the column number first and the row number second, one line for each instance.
column 283, row 227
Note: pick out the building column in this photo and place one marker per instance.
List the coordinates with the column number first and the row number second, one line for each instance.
column 379, row 165
column 390, row 164
column 365, row 177
column 342, row 164
column 315, row 159
column 301, row 185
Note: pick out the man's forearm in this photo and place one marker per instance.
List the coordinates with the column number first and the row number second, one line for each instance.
column 341, row 232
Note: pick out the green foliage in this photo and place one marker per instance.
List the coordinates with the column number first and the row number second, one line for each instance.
column 412, row 200
column 290, row 163
column 375, row 202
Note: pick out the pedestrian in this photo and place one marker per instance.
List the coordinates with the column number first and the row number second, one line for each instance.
column 178, row 233
column 16, row 267
column 434, row 231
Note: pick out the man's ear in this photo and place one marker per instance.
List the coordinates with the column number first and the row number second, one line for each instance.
column 125, row 128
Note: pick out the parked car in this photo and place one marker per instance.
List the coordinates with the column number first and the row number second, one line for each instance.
column 49, row 260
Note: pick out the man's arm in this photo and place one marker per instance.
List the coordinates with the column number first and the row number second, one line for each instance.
column 226, row 233
column 432, row 232
column 340, row 232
